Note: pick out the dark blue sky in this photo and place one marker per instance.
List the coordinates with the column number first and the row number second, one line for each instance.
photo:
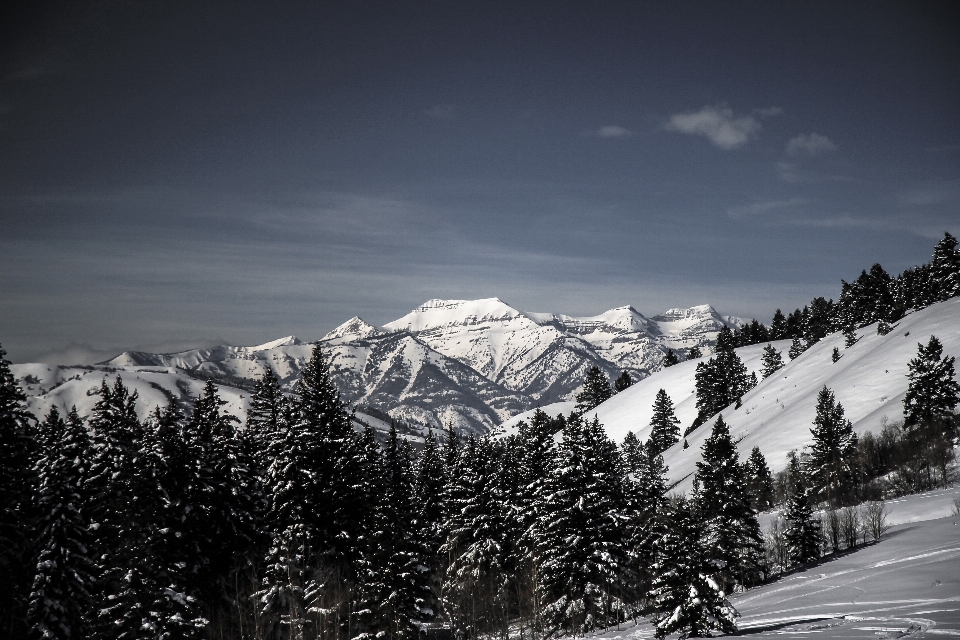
column 181, row 174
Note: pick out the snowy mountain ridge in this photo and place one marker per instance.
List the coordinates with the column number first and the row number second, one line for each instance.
column 470, row 363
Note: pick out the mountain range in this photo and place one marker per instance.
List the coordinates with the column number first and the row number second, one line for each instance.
column 467, row 363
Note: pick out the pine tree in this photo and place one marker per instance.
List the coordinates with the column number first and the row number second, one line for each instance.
column 722, row 501
column 720, row 381
column 647, row 518
column 796, row 349
column 670, row 359
column 944, row 270
column 694, row 353
column 685, row 597
column 836, row 354
column 778, row 328
column 265, row 418
column 760, row 481
column 803, row 533
column 17, row 483
column 222, row 496
column 596, row 390
column 633, row 452
column 580, row 533
column 61, row 594
column 623, row 382
column 429, row 490
column 849, row 336
column 932, row 392
column 664, row 426
column 772, row 361
column 833, row 454
column 392, row 586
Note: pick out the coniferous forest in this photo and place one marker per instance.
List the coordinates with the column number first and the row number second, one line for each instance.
column 189, row 524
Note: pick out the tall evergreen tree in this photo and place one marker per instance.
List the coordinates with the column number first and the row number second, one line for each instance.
column 833, row 453
column 430, row 487
column 265, row 418
column 647, row 518
column 392, row 587
column 772, row 361
column 17, row 485
column 694, row 353
column 796, row 348
column 61, row 594
column 596, row 390
column 685, row 596
column 623, row 382
column 944, row 271
column 581, row 536
column 778, row 328
column 664, row 426
column 932, row 392
column 803, row 533
column 633, row 452
column 759, row 480
column 722, row 501
column 720, row 381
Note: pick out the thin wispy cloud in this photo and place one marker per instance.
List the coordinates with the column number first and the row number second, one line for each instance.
column 442, row 111
column 717, row 124
column 810, row 144
column 613, row 131
column 760, row 208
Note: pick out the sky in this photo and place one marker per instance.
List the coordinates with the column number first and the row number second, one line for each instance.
column 176, row 175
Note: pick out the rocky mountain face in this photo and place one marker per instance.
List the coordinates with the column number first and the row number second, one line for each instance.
column 469, row 363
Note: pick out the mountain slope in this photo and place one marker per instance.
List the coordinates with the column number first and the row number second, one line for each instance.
column 869, row 380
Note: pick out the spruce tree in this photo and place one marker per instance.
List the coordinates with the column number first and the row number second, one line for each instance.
column 778, row 328
column 796, row 349
column 670, row 359
column 932, row 392
column 429, row 490
column 265, row 418
column 720, row 381
column 694, row 353
column 803, row 533
column 61, row 594
column 647, row 518
column 835, row 356
column 760, row 481
column 581, row 534
column 849, row 336
column 664, row 426
column 596, row 390
column 623, row 382
column 633, row 452
column 833, row 453
column 17, row 485
column 772, row 361
column 685, row 596
column 723, row 503
column 944, row 270
column 392, row 586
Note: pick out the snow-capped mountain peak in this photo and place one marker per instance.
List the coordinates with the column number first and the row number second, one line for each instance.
column 354, row 328
column 289, row 341
column 437, row 314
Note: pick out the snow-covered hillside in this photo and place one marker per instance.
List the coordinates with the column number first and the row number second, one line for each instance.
column 869, row 380
column 472, row 364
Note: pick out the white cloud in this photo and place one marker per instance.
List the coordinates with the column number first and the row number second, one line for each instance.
column 810, row 144
column 718, row 124
column 613, row 131
column 759, row 208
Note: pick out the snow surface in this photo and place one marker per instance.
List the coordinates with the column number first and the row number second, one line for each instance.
column 869, row 380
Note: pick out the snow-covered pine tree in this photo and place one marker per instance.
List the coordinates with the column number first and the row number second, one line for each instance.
column 819, row 321
column 391, row 584
column 664, row 426
column 796, row 348
column 315, row 506
column 633, row 452
column 17, row 485
column 832, row 467
column 596, row 390
column 223, row 496
column 60, row 599
column 581, row 534
column 944, row 270
column 685, row 597
column 760, row 480
column 932, row 392
column 670, row 359
column 647, row 517
column 803, row 533
column 778, row 327
column 772, row 361
column 265, row 419
column 722, row 500
column 849, row 336
column 476, row 585
column 623, row 382
column 428, row 492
